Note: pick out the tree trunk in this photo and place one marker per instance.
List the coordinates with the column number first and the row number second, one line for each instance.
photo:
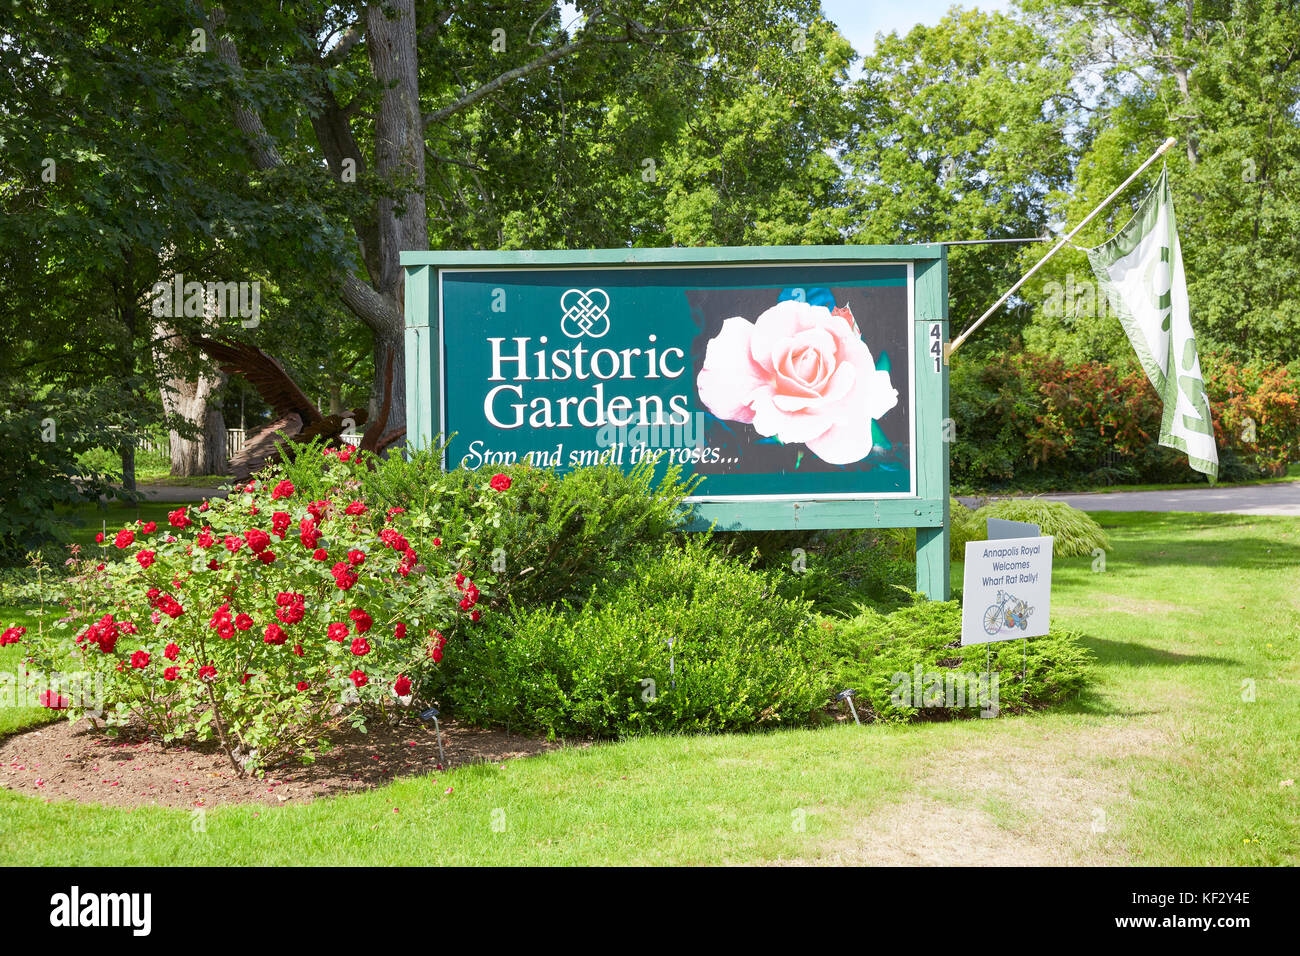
column 401, row 224
column 127, row 452
column 194, row 401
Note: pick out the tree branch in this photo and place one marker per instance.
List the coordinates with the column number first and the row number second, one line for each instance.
column 490, row 87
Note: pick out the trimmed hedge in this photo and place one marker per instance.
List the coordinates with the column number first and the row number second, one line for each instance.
column 687, row 641
column 888, row 658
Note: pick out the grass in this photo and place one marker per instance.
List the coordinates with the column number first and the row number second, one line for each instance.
column 1187, row 608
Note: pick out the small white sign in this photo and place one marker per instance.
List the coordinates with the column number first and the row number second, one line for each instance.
column 1006, row 590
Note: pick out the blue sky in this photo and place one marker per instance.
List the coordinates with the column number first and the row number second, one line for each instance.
column 861, row 20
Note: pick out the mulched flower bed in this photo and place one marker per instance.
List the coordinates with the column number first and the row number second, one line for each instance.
column 66, row 761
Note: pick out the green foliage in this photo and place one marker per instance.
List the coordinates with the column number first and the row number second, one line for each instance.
column 909, row 665
column 1034, row 421
column 560, row 534
column 1223, row 79
column 835, row 570
column 264, row 619
column 1075, row 533
column 960, row 134
column 741, row 656
column 963, row 527
column 42, row 435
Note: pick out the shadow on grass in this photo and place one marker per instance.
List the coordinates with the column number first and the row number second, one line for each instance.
column 1128, row 652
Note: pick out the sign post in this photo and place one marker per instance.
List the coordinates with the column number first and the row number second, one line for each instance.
column 804, row 385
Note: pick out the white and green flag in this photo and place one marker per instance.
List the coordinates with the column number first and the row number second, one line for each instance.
column 1141, row 270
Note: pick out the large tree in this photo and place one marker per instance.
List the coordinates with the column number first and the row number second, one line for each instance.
column 1224, row 77
column 960, row 134
column 357, row 102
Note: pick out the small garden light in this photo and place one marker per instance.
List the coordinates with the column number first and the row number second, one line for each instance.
column 847, row 696
column 432, row 714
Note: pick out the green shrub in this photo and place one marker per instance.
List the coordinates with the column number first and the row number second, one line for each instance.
column 962, row 527
column 1076, row 533
column 888, row 658
column 740, row 656
column 1032, row 421
column 42, row 435
column 834, row 570
column 561, row 534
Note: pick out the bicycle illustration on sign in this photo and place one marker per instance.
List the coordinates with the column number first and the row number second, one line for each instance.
column 1010, row 612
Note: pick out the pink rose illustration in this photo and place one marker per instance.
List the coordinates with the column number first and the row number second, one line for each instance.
column 800, row 373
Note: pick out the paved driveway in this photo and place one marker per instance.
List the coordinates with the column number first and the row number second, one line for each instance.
column 1280, row 498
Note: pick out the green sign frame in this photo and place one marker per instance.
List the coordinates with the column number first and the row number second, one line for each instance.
column 924, row 508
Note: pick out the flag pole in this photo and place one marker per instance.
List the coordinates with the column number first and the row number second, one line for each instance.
column 953, row 346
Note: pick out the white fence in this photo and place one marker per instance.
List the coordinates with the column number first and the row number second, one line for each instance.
column 235, row 438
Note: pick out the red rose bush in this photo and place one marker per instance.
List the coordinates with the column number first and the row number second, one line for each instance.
column 264, row 619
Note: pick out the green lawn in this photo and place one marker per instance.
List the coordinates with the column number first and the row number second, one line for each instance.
column 1163, row 762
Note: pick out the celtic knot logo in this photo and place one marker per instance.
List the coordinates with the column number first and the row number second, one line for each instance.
column 585, row 313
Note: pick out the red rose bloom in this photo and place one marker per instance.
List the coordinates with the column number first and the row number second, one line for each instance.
column 172, row 652
column 337, row 632
column 213, row 564
column 280, row 522
column 355, row 508
column 274, row 635
column 207, row 672
column 474, row 615
column 146, row 558
column 345, row 581
column 266, row 557
column 303, row 685
column 149, row 527
column 291, row 614
column 233, row 543
column 360, row 647
column 99, row 537
column 320, row 554
column 359, row 678
column 283, row 490
column 437, row 542
column 402, row 686
column 171, row 673
column 140, row 660
column 356, row 558
column 204, row 539
column 361, row 620
column 297, row 649
column 124, row 538
column 179, row 518
column 399, row 632
column 53, row 701
column 169, row 606
column 500, row 482
column 12, row 635
column 243, row 622
column 309, row 533
column 257, row 540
